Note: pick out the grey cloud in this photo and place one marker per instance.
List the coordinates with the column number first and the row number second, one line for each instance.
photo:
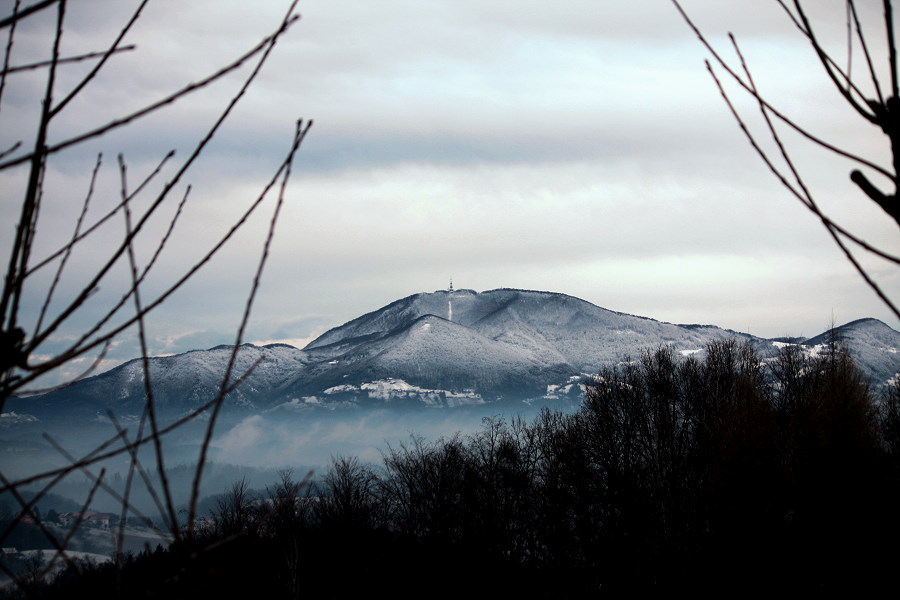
column 578, row 147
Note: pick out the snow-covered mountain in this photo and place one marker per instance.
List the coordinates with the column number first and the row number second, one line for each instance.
column 180, row 382
column 446, row 348
column 874, row 346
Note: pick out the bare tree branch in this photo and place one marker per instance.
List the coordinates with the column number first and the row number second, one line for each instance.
column 85, row 343
column 265, row 45
column 93, row 367
column 78, row 520
column 831, row 229
column 834, row 72
column 12, row 288
column 28, row 512
column 68, row 59
column 145, row 358
column 885, row 114
column 93, row 72
column 892, row 46
column 65, row 258
column 83, row 467
column 87, row 232
column 865, row 48
column 27, row 11
column 10, row 150
column 18, row 370
column 299, row 133
column 26, row 508
column 890, row 204
column 101, row 453
column 8, row 54
column 774, row 111
column 135, row 465
column 114, row 256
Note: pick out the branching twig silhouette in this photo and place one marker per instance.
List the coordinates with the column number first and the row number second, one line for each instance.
column 102, row 453
column 299, row 134
column 61, row 551
column 18, row 15
column 150, row 408
column 878, row 110
column 85, row 343
column 133, row 465
column 68, row 59
column 6, row 57
column 21, row 371
column 98, row 480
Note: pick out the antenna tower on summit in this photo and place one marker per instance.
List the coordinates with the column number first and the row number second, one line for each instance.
column 450, row 301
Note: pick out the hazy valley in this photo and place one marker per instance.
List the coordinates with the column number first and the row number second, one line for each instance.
column 430, row 364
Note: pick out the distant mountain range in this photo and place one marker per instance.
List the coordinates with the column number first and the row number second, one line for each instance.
column 447, row 348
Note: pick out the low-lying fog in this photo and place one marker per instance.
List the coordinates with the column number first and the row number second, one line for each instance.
column 253, row 447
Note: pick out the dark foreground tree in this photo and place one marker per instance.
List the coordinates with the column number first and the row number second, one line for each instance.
column 729, row 473
column 29, row 350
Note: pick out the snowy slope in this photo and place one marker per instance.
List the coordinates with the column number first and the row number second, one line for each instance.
column 548, row 326
column 443, row 348
column 435, row 353
column 874, row 346
column 180, row 382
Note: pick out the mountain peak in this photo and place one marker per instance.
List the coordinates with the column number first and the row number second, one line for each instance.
column 502, row 343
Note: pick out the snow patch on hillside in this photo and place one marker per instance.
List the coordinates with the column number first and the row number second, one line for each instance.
column 8, row 419
column 396, row 389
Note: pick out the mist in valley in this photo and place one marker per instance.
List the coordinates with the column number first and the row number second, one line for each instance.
column 255, row 449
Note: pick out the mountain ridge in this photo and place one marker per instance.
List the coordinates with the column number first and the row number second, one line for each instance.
column 450, row 344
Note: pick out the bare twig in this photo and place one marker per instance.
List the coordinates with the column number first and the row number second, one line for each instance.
column 65, row 544
column 83, row 467
column 69, row 246
column 865, row 48
column 151, row 108
column 18, row 261
column 114, row 256
column 831, row 229
column 26, row 508
column 97, row 456
column 849, row 40
column 40, row 524
column 877, row 112
column 135, row 465
column 774, row 111
column 28, row 10
column 85, row 344
column 145, row 358
column 10, row 150
column 96, row 69
column 805, row 194
column 112, row 212
column 892, row 46
column 8, row 54
column 834, row 72
column 68, row 59
column 98, row 360
column 299, row 133
column 16, row 376
column 88, row 341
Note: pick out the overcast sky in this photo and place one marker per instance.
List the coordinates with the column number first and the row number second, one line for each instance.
column 577, row 147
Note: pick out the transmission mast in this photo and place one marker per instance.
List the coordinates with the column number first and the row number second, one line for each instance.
column 450, row 301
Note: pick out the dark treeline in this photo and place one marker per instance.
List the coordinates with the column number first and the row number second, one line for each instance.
column 725, row 475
